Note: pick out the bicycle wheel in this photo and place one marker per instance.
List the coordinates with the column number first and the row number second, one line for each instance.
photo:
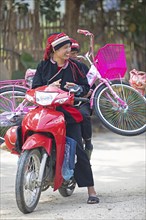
column 10, row 98
column 127, row 121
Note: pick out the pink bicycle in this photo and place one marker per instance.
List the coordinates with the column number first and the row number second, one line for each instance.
column 13, row 106
column 118, row 106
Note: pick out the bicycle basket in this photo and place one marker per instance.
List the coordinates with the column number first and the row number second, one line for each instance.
column 110, row 61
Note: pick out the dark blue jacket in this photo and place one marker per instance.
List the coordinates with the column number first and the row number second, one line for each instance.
column 73, row 71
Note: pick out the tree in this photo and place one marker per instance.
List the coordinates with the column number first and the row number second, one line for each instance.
column 71, row 18
column 48, row 8
column 135, row 20
column 1, row 14
column 136, row 16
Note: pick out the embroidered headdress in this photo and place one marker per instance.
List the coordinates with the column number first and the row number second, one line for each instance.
column 75, row 45
column 55, row 40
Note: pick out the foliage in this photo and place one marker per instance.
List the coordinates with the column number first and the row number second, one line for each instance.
column 18, row 74
column 48, row 8
column 110, row 21
column 92, row 4
column 108, row 5
column 22, row 7
column 135, row 18
column 28, row 61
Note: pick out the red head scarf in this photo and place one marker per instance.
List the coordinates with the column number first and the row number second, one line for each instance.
column 75, row 45
column 55, row 41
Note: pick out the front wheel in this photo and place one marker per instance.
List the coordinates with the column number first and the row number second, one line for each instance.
column 127, row 121
column 27, row 189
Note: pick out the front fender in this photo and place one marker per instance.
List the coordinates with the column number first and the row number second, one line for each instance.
column 38, row 140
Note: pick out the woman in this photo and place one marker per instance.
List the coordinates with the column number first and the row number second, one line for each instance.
column 84, row 108
column 57, row 69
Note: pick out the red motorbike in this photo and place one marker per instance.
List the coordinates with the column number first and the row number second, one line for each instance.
column 40, row 144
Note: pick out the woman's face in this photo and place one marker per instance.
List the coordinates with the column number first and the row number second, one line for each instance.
column 63, row 53
column 73, row 54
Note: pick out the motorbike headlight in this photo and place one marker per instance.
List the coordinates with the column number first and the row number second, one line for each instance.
column 45, row 98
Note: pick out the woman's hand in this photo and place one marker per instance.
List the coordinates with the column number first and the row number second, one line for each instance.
column 56, row 83
column 72, row 87
column 69, row 85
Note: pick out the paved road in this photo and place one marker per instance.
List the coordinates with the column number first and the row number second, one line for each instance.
column 118, row 164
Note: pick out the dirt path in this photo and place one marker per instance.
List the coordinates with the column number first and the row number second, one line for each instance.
column 119, row 171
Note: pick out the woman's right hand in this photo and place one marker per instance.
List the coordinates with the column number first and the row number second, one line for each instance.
column 56, row 83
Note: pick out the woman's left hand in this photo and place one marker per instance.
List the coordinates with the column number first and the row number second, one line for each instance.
column 69, row 85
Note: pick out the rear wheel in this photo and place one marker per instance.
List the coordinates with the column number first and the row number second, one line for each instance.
column 127, row 121
column 27, row 188
column 10, row 98
column 67, row 187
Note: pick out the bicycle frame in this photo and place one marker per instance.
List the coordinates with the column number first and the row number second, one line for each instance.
column 17, row 82
column 122, row 103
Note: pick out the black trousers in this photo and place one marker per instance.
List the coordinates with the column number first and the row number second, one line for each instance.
column 86, row 126
column 83, row 172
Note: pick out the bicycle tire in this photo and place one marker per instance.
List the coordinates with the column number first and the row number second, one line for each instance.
column 126, row 122
column 8, row 103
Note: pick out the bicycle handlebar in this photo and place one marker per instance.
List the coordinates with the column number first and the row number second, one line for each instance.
column 91, row 50
column 81, row 57
column 85, row 32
